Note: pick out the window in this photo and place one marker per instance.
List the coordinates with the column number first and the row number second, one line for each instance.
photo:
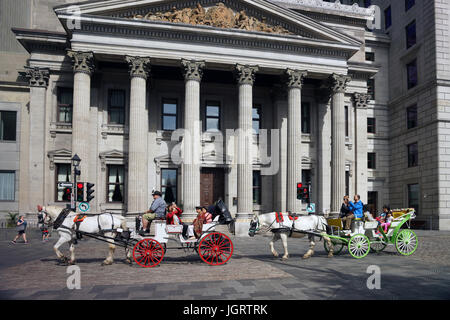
column 306, row 118
column 169, row 185
column 8, row 122
column 169, row 114
column 371, row 125
column 116, row 106
column 63, row 174
column 306, row 176
column 7, row 185
column 411, row 69
column 346, row 121
column 212, row 122
column 411, row 117
column 413, row 197
column 372, row 200
column 411, row 34
column 116, row 176
column 413, row 155
column 409, row 4
column 370, row 56
column 347, row 182
column 256, row 187
column 387, row 17
column 371, row 88
column 256, row 118
column 371, row 160
column 65, row 105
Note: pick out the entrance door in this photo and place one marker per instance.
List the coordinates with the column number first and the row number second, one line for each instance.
column 212, row 185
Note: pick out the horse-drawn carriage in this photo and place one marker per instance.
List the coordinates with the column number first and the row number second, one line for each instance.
column 368, row 235
column 214, row 248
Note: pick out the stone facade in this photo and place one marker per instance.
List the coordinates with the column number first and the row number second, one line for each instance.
column 279, row 81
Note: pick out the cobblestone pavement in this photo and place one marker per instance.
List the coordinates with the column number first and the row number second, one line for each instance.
column 31, row 272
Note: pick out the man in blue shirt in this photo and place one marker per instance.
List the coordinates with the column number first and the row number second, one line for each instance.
column 356, row 208
column 157, row 211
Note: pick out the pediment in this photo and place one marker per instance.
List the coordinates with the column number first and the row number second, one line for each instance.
column 60, row 153
column 112, row 154
column 258, row 16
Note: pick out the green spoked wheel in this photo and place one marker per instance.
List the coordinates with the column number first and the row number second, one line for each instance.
column 337, row 246
column 359, row 246
column 406, row 242
column 378, row 246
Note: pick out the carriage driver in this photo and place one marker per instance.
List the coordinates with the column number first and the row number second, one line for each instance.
column 157, row 211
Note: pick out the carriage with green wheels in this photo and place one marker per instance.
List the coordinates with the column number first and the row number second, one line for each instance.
column 366, row 236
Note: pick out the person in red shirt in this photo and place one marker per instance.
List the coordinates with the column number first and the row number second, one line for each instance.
column 173, row 214
column 203, row 216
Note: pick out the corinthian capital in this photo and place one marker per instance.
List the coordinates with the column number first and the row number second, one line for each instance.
column 339, row 82
column 361, row 100
column 36, row 76
column 295, row 78
column 139, row 66
column 246, row 74
column 82, row 61
column 192, row 70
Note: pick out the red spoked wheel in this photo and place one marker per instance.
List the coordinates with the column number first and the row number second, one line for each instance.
column 148, row 253
column 215, row 249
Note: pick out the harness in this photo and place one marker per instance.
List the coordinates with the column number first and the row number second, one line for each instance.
column 105, row 230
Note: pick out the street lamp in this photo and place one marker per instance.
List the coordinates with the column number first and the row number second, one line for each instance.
column 75, row 163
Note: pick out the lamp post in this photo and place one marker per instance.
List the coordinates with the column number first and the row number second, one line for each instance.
column 75, row 163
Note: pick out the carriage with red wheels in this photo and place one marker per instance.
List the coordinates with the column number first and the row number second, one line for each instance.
column 214, row 248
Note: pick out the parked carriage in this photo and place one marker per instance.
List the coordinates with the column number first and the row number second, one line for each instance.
column 369, row 236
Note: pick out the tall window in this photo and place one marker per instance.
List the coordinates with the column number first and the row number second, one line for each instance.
column 413, row 197
column 371, row 125
column 371, row 160
column 370, row 56
column 346, row 121
column 371, row 88
column 8, row 123
column 347, row 182
column 116, row 106
column 169, row 114
column 306, row 176
column 212, row 115
column 169, row 185
column 306, row 118
column 116, row 185
column 387, row 17
column 411, row 70
column 63, row 174
column 256, row 118
column 7, row 185
column 409, row 4
column 256, row 187
column 413, row 155
column 411, row 117
column 65, row 105
column 410, row 34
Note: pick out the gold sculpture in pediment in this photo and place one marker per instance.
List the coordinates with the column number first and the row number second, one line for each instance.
column 218, row 16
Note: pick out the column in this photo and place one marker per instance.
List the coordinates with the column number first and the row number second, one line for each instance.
column 245, row 77
column 137, row 194
column 338, row 85
column 360, row 101
column 83, row 67
column 294, row 138
column 193, row 72
column 38, row 79
column 324, row 149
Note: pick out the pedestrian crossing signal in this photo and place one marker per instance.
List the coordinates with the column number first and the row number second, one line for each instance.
column 89, row 191
column 300, row 191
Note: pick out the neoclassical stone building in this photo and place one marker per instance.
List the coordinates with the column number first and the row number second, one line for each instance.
column 115, row 81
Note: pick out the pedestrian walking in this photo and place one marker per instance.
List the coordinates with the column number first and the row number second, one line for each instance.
column 21, row 230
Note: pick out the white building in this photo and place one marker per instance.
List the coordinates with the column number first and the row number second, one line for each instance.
column 111, row 81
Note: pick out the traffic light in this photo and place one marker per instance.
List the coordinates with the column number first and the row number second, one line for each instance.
column 80, row 191
column 300, row 191
column 306, row 193
column 67, row 194
column 89, row 191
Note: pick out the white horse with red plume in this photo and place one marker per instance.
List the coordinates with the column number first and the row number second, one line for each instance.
column 283, row 225
column 63, row 221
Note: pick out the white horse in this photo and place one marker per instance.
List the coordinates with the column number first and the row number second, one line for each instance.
column 282, row 223
column 91, row 224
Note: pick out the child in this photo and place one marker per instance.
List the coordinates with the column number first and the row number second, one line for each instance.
column 387, row 221
column 45, row 233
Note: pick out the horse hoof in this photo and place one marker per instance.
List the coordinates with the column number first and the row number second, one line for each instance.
column 276, row 255
column 284, row 258
column 106, row 263
column 129, row 261
column 71, row 262
column 330, row 255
